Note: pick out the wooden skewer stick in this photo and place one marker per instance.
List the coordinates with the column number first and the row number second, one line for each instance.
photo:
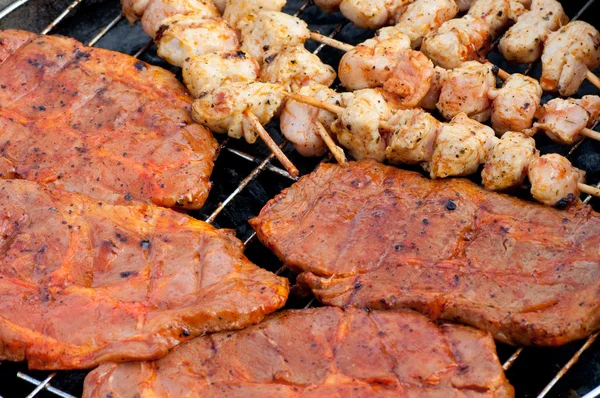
column 262, row 133
column 590, row 190
column 595, row 80
column 331, row 42
column 336, row 109
column 338, row 153
column 591, row 134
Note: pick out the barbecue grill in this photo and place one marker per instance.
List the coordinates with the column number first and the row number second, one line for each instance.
column 247, row 176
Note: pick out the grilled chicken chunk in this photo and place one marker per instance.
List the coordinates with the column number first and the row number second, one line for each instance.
column 294, row 67
column 568, row 54
column 387, row 61
column 413, row 136
column 515, row 104
column 298, row 120
column 319, row 352
column 423, row 16
column 376, row 236
column 134, row 9
column 554, row 180
column 102, row 283
column 523, row 42
column 273, row 31
column 456, row 41
column 465, row 89
column 328, row 5
column 563, row 119
column 240, row 14
column 205, row 73
column 496, row 13
column 371, row 14
column 508, row 165
column 370, row 63
column 158, row 11
column 461, row 146
column 357, row 128
column 433, row 95
column 186, row 36
column 222, row 109
column 100, row 123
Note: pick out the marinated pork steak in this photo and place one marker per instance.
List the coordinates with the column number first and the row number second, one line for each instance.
column 376, row 236
column 98, row 122
column 322, row 352
column 83, row 282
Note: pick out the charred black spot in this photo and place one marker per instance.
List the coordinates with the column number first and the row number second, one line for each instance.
column 145, row 244
column 271, row 58
column 565, row 202
column 357, row 285
column 450, row 205
column 128, row 197
column 127, row 274
column 82, row 55
column 139, row 65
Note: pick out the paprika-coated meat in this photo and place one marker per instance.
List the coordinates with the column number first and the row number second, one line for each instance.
column 370, row 235
column 98, row 122
column 84, row 282
column 321, row 352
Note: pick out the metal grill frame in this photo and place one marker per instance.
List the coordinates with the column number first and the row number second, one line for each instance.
column 265, row 164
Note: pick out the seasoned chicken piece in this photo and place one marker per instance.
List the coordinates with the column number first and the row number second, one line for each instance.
column 159, row 10
column 357, row 128
column 456, row 41
column 496, row 13
column 192, row 34
column 371, row 14
column 509, row 162
column 515, row 104
column 462, row 145
column 370, row 63
column 239, row 14
column 564, row 118
column 328, row 5
column 554, row 180
column 465, row 89
column 523, row 42
column 423, row 16
column 220, row 4
column 273, row 31
column 134, row 9
column 413, row 136
column 298, row 120
column 568, row 54
column 204, row 73
column 221, row 110
column 387, row 61
column 433, row 95
column 296, row 67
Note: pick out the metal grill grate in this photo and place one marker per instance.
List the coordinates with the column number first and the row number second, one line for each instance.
column 43, row 384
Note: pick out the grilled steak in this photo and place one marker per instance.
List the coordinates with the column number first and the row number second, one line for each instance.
column 83, row 282
column 98, row 122
column 376, row 236
column 323, row 352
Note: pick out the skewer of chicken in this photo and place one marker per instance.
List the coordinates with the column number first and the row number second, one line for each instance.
column 204, row 71
column 184, row 29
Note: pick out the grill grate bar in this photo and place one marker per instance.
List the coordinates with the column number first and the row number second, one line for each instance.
column 62, row 16
column 569, row 365
column 243, row 184
column 8, row 10
column 509, row 363
column 143, row 49
column 41, row 385
column 593, row 394
column 253, row 159
column 105, row 30
column 46, row 386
